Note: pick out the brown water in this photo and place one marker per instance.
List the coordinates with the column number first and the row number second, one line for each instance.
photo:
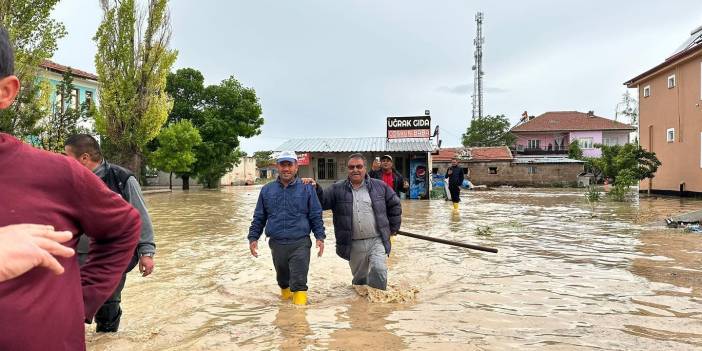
column 563, row 280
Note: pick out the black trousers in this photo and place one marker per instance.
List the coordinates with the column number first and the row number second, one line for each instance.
column 109, row 315
column 455, row 193
column 291, row 262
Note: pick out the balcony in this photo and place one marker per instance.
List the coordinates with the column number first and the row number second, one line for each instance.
column 521, row 150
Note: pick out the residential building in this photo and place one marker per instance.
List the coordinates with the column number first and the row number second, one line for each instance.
column 670, row 118
column 244, row 173
column 495, row 166
column 552, row 133
column 85, row 84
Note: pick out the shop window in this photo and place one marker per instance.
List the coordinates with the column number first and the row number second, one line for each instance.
column 434, row 170
column 532, row 169
column 326, row 168
column 492, row 170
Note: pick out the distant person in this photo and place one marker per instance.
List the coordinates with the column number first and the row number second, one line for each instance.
column 40, row 310
column 367, row 212
column 288, row 210
column 390, row 175
column 375, row 169
column 455, row 177
column 86, row 150
column 26, row 246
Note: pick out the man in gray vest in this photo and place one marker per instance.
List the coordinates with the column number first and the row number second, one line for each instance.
column 86, row 150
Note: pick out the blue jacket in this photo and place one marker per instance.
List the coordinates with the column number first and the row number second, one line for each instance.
column 288, row 214
column 386, row 208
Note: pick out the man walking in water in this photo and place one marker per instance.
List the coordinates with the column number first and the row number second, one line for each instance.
column 40, row 310
column 455, row 177
column 366, row 213
column 288, row 209
column 86, row 150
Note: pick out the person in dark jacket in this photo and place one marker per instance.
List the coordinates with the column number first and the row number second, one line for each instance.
column 288, row 209
column 86, row 150
column 455, row 177
column 366, row 213
column 388, row 174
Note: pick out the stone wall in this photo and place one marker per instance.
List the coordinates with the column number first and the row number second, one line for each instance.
column 517, row 174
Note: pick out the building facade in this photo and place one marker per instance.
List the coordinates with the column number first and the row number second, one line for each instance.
column 244, row 173
column 670, row 118
column 324, row 159
column 496, row 166
column 552, row 133
column 85, row 84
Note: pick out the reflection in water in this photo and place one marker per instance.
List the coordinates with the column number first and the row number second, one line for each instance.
column 563, row 279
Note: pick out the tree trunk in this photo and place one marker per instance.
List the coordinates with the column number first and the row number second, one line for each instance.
column 170, row 181
column 186, row 181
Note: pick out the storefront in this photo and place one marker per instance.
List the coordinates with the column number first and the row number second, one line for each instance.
column 324, row 159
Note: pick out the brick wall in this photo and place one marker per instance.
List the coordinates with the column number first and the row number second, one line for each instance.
column 518, row 174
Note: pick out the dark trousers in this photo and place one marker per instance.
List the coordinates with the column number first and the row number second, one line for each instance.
column 455, row 193
column 291, row 262
column 108, row 316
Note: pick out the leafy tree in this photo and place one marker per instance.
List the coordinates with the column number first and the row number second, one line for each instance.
column 34, row 36
column 263, row 158
column 132, row 62
column 176, row 151
column 65, row 119
column 632, row 158
column 186, row 87
column 231, row 111
column 574, row 151
column 489, row 131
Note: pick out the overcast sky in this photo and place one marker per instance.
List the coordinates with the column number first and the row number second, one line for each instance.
column 338, row 68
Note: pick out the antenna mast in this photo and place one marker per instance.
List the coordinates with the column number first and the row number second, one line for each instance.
column 478, row 68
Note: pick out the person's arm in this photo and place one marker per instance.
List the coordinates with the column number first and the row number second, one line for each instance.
column 136, row 198
column 315, row 214
column 258, row 222
column 393, row 209
column 113, row 227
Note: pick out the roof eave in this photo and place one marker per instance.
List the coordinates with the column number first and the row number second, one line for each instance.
column 673, row 60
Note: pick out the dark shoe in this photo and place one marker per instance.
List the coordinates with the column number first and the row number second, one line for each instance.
column 109, row 327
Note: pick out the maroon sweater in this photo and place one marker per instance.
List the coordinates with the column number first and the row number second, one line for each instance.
column 40, row 310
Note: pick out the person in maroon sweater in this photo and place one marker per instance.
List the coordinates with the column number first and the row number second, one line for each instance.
column 40, row 310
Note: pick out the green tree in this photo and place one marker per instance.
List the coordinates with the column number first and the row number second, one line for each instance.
column 66, row 118
column 574, row 151
column 629, row 107
column 263, row 158
column 230, row 111
column 176, row 150
column 640, row 164
column 186, row 87
column 489, row 131
column 132, row 62
column 34, row 36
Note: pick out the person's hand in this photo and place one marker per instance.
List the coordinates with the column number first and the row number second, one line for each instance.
column 320, row 246
column 25, row 246
column 146, row 265
column 309, row 181
column 253, row 246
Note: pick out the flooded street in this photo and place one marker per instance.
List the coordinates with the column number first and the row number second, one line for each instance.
column 562, row 280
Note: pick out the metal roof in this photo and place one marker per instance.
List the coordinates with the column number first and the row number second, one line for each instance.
column 542, row 159
column 369, row 144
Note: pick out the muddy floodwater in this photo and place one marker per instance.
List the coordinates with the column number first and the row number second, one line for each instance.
column 563, row 280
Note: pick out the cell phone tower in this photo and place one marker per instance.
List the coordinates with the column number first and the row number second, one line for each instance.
column 478, row 68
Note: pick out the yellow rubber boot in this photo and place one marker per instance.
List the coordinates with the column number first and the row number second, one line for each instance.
column 455, row 206
column 286, row 294
column 299, row 298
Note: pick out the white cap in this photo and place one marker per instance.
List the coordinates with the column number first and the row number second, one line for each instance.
column 287, row 156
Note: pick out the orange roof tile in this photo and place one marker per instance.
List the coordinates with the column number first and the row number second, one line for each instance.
column 569, row 121
column 493, row 153
column 55, row 67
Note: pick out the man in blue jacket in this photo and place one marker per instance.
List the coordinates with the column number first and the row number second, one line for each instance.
column 366, row 213
column 288, row 209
